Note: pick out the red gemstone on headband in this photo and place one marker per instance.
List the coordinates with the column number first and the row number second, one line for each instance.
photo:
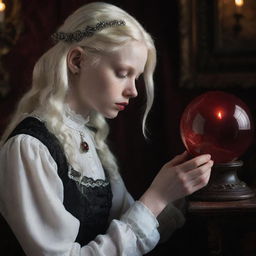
column 217, row 123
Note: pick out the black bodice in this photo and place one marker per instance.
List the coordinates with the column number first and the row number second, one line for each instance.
column 88, row 200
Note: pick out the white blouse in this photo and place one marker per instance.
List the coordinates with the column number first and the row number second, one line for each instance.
column 31, row 201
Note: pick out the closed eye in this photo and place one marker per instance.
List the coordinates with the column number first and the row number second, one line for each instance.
column 122, row 76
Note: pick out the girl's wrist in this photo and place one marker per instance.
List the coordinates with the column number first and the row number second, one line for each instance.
column 152, row 201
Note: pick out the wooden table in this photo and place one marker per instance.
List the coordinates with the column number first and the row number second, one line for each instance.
column 230, row 226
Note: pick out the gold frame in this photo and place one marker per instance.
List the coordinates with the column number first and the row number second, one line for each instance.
column 204, row 67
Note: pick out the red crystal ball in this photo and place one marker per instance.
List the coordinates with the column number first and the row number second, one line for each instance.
column 219, row 124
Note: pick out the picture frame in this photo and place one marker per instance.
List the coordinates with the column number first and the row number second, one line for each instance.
column 217, row 44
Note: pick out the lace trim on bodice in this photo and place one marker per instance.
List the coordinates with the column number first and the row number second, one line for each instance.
column 84, row 180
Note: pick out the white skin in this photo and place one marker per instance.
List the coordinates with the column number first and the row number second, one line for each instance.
column 112, row 80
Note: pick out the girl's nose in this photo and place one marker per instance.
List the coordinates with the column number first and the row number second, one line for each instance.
column 131, row 91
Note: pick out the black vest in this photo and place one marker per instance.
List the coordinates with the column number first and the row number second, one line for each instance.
column 89, row 202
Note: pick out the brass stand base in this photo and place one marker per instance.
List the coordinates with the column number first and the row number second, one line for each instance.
column 224, row 185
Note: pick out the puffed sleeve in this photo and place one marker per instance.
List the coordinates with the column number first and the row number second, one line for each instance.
column 171, row 218
column 31, row 201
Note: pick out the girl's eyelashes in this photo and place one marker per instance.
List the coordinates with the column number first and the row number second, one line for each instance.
column 121, row 74
column 125, row 74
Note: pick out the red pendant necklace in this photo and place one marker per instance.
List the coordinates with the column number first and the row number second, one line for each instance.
column 83, row 145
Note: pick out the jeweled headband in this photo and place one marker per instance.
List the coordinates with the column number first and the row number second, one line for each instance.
column 89, row 31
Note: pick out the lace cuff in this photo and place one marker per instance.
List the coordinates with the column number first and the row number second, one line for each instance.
column 144, row 224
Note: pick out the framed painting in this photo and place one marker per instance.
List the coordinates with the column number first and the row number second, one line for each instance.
column 217, row 43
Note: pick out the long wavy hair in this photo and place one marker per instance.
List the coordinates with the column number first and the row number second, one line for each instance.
column 51, row 81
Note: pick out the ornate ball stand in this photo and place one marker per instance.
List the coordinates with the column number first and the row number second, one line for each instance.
column 224, row 184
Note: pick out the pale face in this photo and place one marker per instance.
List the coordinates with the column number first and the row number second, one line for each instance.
column 112, row 80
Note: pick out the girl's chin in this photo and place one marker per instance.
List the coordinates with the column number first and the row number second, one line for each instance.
column 111, row 115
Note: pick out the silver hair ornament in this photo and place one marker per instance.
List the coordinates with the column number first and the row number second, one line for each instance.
column 89, row 31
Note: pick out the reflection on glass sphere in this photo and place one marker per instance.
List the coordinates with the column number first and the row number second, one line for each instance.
column 217, row 123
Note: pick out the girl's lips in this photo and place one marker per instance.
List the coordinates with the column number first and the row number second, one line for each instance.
column 121, row 106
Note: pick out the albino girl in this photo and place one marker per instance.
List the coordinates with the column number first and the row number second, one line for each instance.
column 61, row 192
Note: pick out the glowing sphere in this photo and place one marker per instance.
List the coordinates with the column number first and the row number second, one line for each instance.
column 217, row 123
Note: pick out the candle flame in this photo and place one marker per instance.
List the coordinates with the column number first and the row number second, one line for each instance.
column 2, row 6
column 239, row 3
column 219, row 115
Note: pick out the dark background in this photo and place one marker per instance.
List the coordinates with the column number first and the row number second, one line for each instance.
column 139, row 160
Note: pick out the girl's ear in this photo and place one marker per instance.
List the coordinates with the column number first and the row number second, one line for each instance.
column 74, row 58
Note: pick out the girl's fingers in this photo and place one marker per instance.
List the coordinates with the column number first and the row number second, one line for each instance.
column 199, row 178
column 194, row 174
column 197, row 184
column 202, row 181
column 195, row 162
column 179, row 158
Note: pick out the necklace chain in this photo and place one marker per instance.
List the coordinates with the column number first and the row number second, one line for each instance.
column 81, row 135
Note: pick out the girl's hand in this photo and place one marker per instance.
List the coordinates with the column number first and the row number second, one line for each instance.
column 176, row 179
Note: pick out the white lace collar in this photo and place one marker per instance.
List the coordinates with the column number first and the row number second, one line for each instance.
column 70, row 117
column 73, row 119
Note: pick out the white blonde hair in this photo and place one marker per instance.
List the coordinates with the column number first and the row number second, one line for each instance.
column 50, row 81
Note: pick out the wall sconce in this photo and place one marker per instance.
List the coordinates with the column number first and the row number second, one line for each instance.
column 238, row 16
column 10, row 29
column 211, row 55
column 2, row 9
